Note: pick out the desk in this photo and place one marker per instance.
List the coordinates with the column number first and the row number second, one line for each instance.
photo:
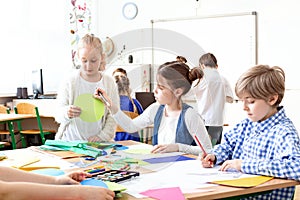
column 218, row 192
column 9, row 118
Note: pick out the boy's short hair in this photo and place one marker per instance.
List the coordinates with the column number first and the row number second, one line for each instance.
column 261, row 82
column 209, row 60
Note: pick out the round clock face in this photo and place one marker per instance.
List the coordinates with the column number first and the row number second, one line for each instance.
column 130, row 10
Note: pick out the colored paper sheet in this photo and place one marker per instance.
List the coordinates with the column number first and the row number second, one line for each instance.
column 134, row 161
column 173, row 193
column 120, row 147
column 168, row 159
column 138, row 151
column 39, row 165
column 24, row 160
column 94, row 182
column 92, row 109
column 49, row 171
column 116, row 187
column 245, row 182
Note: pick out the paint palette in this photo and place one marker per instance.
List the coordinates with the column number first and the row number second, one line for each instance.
column 116, row 175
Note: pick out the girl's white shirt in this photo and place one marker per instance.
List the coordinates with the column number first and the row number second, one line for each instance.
column 193, row 122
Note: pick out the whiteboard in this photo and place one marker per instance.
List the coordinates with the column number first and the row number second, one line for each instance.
column 230, row 37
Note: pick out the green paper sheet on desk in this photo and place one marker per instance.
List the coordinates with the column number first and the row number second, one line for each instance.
column 244, row 182
column 79, row 147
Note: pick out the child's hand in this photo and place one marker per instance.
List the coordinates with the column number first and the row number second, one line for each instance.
column 208, row 160
column 165, row 148
column 78, row 175
column 94, row 138
column 102, row 96
column 231, row 164
column 93, row 192
column 72, row 178
column 73, row 111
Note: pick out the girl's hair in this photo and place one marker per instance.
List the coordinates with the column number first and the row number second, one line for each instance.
column 261, row 82
column 179, row 75
column 181, row 59
column 123, row 84
column 209, row 60
column 90, row 40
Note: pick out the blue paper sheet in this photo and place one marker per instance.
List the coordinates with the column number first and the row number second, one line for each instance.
column 49, row 171
column 93, row 182
column 168, row 159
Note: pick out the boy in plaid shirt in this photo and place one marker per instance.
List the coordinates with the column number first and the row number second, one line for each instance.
column 267, row 142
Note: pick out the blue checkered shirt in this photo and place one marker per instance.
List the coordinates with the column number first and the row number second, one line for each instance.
column 270, row 147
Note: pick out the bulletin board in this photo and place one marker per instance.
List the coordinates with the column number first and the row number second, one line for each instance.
column 232, row 38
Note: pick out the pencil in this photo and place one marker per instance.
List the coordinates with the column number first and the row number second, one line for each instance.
column 200, row 145
column 203, row 150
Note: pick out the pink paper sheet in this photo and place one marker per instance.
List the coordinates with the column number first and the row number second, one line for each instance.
column 173, row 193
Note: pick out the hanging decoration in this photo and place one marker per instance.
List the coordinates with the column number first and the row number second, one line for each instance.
column 80, row 24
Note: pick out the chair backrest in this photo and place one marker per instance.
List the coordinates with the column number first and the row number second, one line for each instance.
column 28, row 108
column 4, row 109
column 25, row 108
column 8, row 128
column 145, row 98
column 132, row 115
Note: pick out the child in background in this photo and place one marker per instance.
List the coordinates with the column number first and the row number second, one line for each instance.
column 18, row 184
column 175, row 122
column 90, row 53
column 128, row 105
column 211, row 95
column 265, row 143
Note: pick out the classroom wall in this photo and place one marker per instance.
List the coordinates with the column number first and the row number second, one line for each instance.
column 277, row 32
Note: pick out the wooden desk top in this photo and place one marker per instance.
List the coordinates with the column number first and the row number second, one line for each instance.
column 13, row 117
column 218, row 192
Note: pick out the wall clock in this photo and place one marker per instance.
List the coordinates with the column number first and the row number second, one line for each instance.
column 130, row 10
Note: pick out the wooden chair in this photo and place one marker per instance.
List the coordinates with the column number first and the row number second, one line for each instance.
column 12, row 142
column 27, row 108
column 132, row 115
column 145, row 98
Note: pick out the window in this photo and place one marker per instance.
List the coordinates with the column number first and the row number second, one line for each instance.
column 35, row 34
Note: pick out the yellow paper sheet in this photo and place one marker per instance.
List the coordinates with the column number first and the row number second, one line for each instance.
column 115, row 186
column 39, row 165
column 244, row 182
column 23, row 161
column 138, row 151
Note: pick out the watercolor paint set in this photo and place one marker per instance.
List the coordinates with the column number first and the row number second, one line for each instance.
column 115, row 175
